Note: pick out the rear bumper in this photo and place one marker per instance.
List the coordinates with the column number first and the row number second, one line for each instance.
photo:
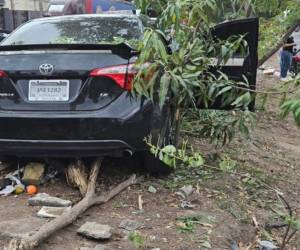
column 118, row 128
column 47, row 148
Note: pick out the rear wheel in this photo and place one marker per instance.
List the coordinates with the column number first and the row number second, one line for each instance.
column 165, row 137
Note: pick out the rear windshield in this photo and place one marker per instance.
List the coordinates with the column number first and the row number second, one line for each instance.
column 77, row 30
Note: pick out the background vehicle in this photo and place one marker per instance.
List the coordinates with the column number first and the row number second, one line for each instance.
column 295, row 69
column 69, row 7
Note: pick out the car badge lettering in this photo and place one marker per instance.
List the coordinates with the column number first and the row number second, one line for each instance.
column 46, row 69
column 7, row 94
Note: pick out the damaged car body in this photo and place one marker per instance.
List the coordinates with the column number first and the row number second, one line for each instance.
column 66, row 92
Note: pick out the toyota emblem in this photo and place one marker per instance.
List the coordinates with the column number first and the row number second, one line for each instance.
column 46, row 69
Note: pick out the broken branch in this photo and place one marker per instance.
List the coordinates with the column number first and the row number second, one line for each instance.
column 71, row 215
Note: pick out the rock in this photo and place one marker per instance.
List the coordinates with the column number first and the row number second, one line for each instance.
column 33, row 173
column 269, row 71
column 130, row 225
column 97, row 247
column 18, row 228
column 101, row 247
column 52, row 212
column 267, row 245
column 95, row 231
column 187, row 190
column 43, row 199
column 152, row 189
column 234, row 246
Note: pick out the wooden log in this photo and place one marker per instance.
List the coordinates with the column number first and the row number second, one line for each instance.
column 76, row 176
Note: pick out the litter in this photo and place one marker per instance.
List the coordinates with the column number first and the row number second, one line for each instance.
column 26, row 178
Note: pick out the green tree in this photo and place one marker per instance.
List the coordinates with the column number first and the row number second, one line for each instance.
column 185, row 74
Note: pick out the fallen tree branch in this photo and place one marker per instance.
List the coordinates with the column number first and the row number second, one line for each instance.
column 279, row 45
column 90, row 199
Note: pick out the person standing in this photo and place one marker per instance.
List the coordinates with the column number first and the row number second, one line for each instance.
column 286, row 58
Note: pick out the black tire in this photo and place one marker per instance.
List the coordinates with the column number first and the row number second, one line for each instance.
column 165, row 137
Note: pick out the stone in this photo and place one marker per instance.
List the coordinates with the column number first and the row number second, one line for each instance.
column 101, row 247
column 152, row 189
column 43, row 199
column 18, row 228
column 52, row 212
column 97, row 247
column 95, row 231
column 130, row 225
column 267, row 245
column 33, row 173
column 269, row 71
column 187, row 190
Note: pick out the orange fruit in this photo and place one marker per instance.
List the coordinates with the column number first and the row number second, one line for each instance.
column 31, row 189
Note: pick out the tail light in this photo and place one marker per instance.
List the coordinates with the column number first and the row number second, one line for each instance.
column 2, row 74
column 123, row 75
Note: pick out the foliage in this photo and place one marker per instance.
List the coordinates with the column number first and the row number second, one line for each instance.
column 182, row 70
column 220, row 127
column 290, row 220
column 187, row 224
column 137, row 239
column 274, row 26
column 172, row 157
column 227, row 164
column 291, row 104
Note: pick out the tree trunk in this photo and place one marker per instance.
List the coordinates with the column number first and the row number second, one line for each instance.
column 90, row 199
column 279, row 45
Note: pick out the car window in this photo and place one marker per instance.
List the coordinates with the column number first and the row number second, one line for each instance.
column 75, row 30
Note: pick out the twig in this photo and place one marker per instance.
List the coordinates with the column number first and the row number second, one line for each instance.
column 140, row 202
column 286, row 237
column 276, row 226
column 266, row 92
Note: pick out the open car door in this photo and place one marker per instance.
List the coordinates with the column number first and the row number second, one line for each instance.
column 240, row 67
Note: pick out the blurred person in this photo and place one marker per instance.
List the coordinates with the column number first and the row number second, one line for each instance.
column 286, row 58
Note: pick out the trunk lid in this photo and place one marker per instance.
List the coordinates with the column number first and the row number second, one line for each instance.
column 70, row 66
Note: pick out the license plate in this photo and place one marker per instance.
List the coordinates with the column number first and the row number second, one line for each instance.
column 48, row 90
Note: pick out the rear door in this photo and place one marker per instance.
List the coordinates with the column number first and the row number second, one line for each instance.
column 239, row 66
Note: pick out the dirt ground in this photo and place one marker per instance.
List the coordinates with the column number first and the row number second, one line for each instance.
column 224, row 203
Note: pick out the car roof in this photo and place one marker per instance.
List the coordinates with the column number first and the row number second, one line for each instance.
column 86, row 16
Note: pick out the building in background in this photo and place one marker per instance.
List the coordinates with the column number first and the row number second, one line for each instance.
column 32, row 5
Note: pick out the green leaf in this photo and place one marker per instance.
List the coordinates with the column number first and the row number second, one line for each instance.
column 296, row 224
